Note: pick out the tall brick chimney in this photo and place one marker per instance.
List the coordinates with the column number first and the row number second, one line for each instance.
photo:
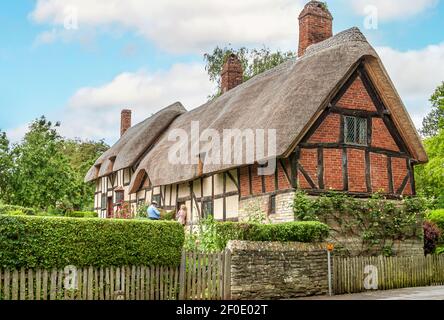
column 232, row 73
column 315, row 25
column 125, row 121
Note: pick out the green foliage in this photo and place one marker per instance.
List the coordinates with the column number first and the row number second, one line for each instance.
column 214, row 236
column 81, row 156
column 434, row 121
column 81, row 214
column 6, row 166
column 430, row 176
column 254, row 62
column 7, row 209
column 255, row 212
column 437, row 217
column 46, row 172
column 377, row 222
column 47, row 242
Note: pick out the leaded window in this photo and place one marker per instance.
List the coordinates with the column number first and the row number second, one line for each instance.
column 355, row 130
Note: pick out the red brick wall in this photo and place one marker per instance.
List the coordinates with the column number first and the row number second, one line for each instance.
column 333, row 169
column 309, row 160
column 282, row 179
column 244, row 182
column 328, row 131
column 381, row 137
column 256, row 180
column 357, row 97
column 379, row 173
column 400, row 170
column 356, row 170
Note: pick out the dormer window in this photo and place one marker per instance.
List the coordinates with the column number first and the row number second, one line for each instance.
column 355, row 130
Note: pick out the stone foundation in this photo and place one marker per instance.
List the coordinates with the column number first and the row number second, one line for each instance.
column 273, row 270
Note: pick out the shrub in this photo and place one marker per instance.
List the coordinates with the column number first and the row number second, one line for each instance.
column 47, row 242
column 81, row 214
column 431, row 237
column 214, row 236
column 7, row 209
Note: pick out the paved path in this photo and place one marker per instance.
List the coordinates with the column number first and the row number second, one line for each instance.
column 420, row 293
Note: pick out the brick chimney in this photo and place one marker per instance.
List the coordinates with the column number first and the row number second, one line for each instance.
column 315, row 25
column 232, row 73
column 125, row 121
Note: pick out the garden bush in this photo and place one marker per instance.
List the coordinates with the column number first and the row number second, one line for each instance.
column 15, row 210
column 431, row 237
column 437, row 216
column 47, row 242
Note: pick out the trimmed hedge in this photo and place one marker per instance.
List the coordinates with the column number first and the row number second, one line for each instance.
column 8, row 209
column 81, row 214
column 48, row 242
column 307, row 231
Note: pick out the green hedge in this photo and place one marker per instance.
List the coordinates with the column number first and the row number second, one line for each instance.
column 308, row 231
column 47, row 242
column 81, row 214
column 8, row 209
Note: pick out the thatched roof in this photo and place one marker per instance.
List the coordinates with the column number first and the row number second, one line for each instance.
column 134, row 143
column 288, row 98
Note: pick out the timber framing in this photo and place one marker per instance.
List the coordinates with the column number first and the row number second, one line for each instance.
column 382, row 113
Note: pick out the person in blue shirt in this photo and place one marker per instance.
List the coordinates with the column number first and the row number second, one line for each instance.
column 153, row 212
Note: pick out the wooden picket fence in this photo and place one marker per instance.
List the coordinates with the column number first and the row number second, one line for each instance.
column 392, row 272
column 200, row 276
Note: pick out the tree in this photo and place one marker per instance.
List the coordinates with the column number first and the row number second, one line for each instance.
column 42, row 176
column 430, row 177
column 81, row 156
column 254, row 62
column 434, row 121
column 5, row 167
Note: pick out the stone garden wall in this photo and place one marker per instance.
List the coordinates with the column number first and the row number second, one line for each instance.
column 272, row 270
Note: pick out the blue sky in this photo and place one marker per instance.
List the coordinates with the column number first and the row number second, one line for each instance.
column 145, row 55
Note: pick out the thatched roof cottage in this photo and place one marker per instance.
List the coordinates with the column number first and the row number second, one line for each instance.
column 338, row 121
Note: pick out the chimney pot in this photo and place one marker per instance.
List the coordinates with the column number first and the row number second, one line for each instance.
column 232, row 73
column 125, row 121
column 315, row 25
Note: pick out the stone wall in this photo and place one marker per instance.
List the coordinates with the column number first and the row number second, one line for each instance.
column 273, row 270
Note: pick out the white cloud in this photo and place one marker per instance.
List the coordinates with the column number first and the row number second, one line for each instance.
column 393, row 9
column 416, row 74
column 94, row 112
column 182, row 26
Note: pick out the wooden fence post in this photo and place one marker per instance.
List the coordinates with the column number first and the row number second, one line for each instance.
column 227, row 275
column 183, row 268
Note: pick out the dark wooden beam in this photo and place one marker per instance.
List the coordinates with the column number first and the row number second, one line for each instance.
column 306, row 176
column 403, row 184
column 368, row 181
column 294, row 167
column 345, row 168
column 276, row 177
column 239, row 182
column 263, row 183
column 354, row 112
column 353, row 146
column 390, row 175
column 321, row 168
column 316, row 125
column 345, row 87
